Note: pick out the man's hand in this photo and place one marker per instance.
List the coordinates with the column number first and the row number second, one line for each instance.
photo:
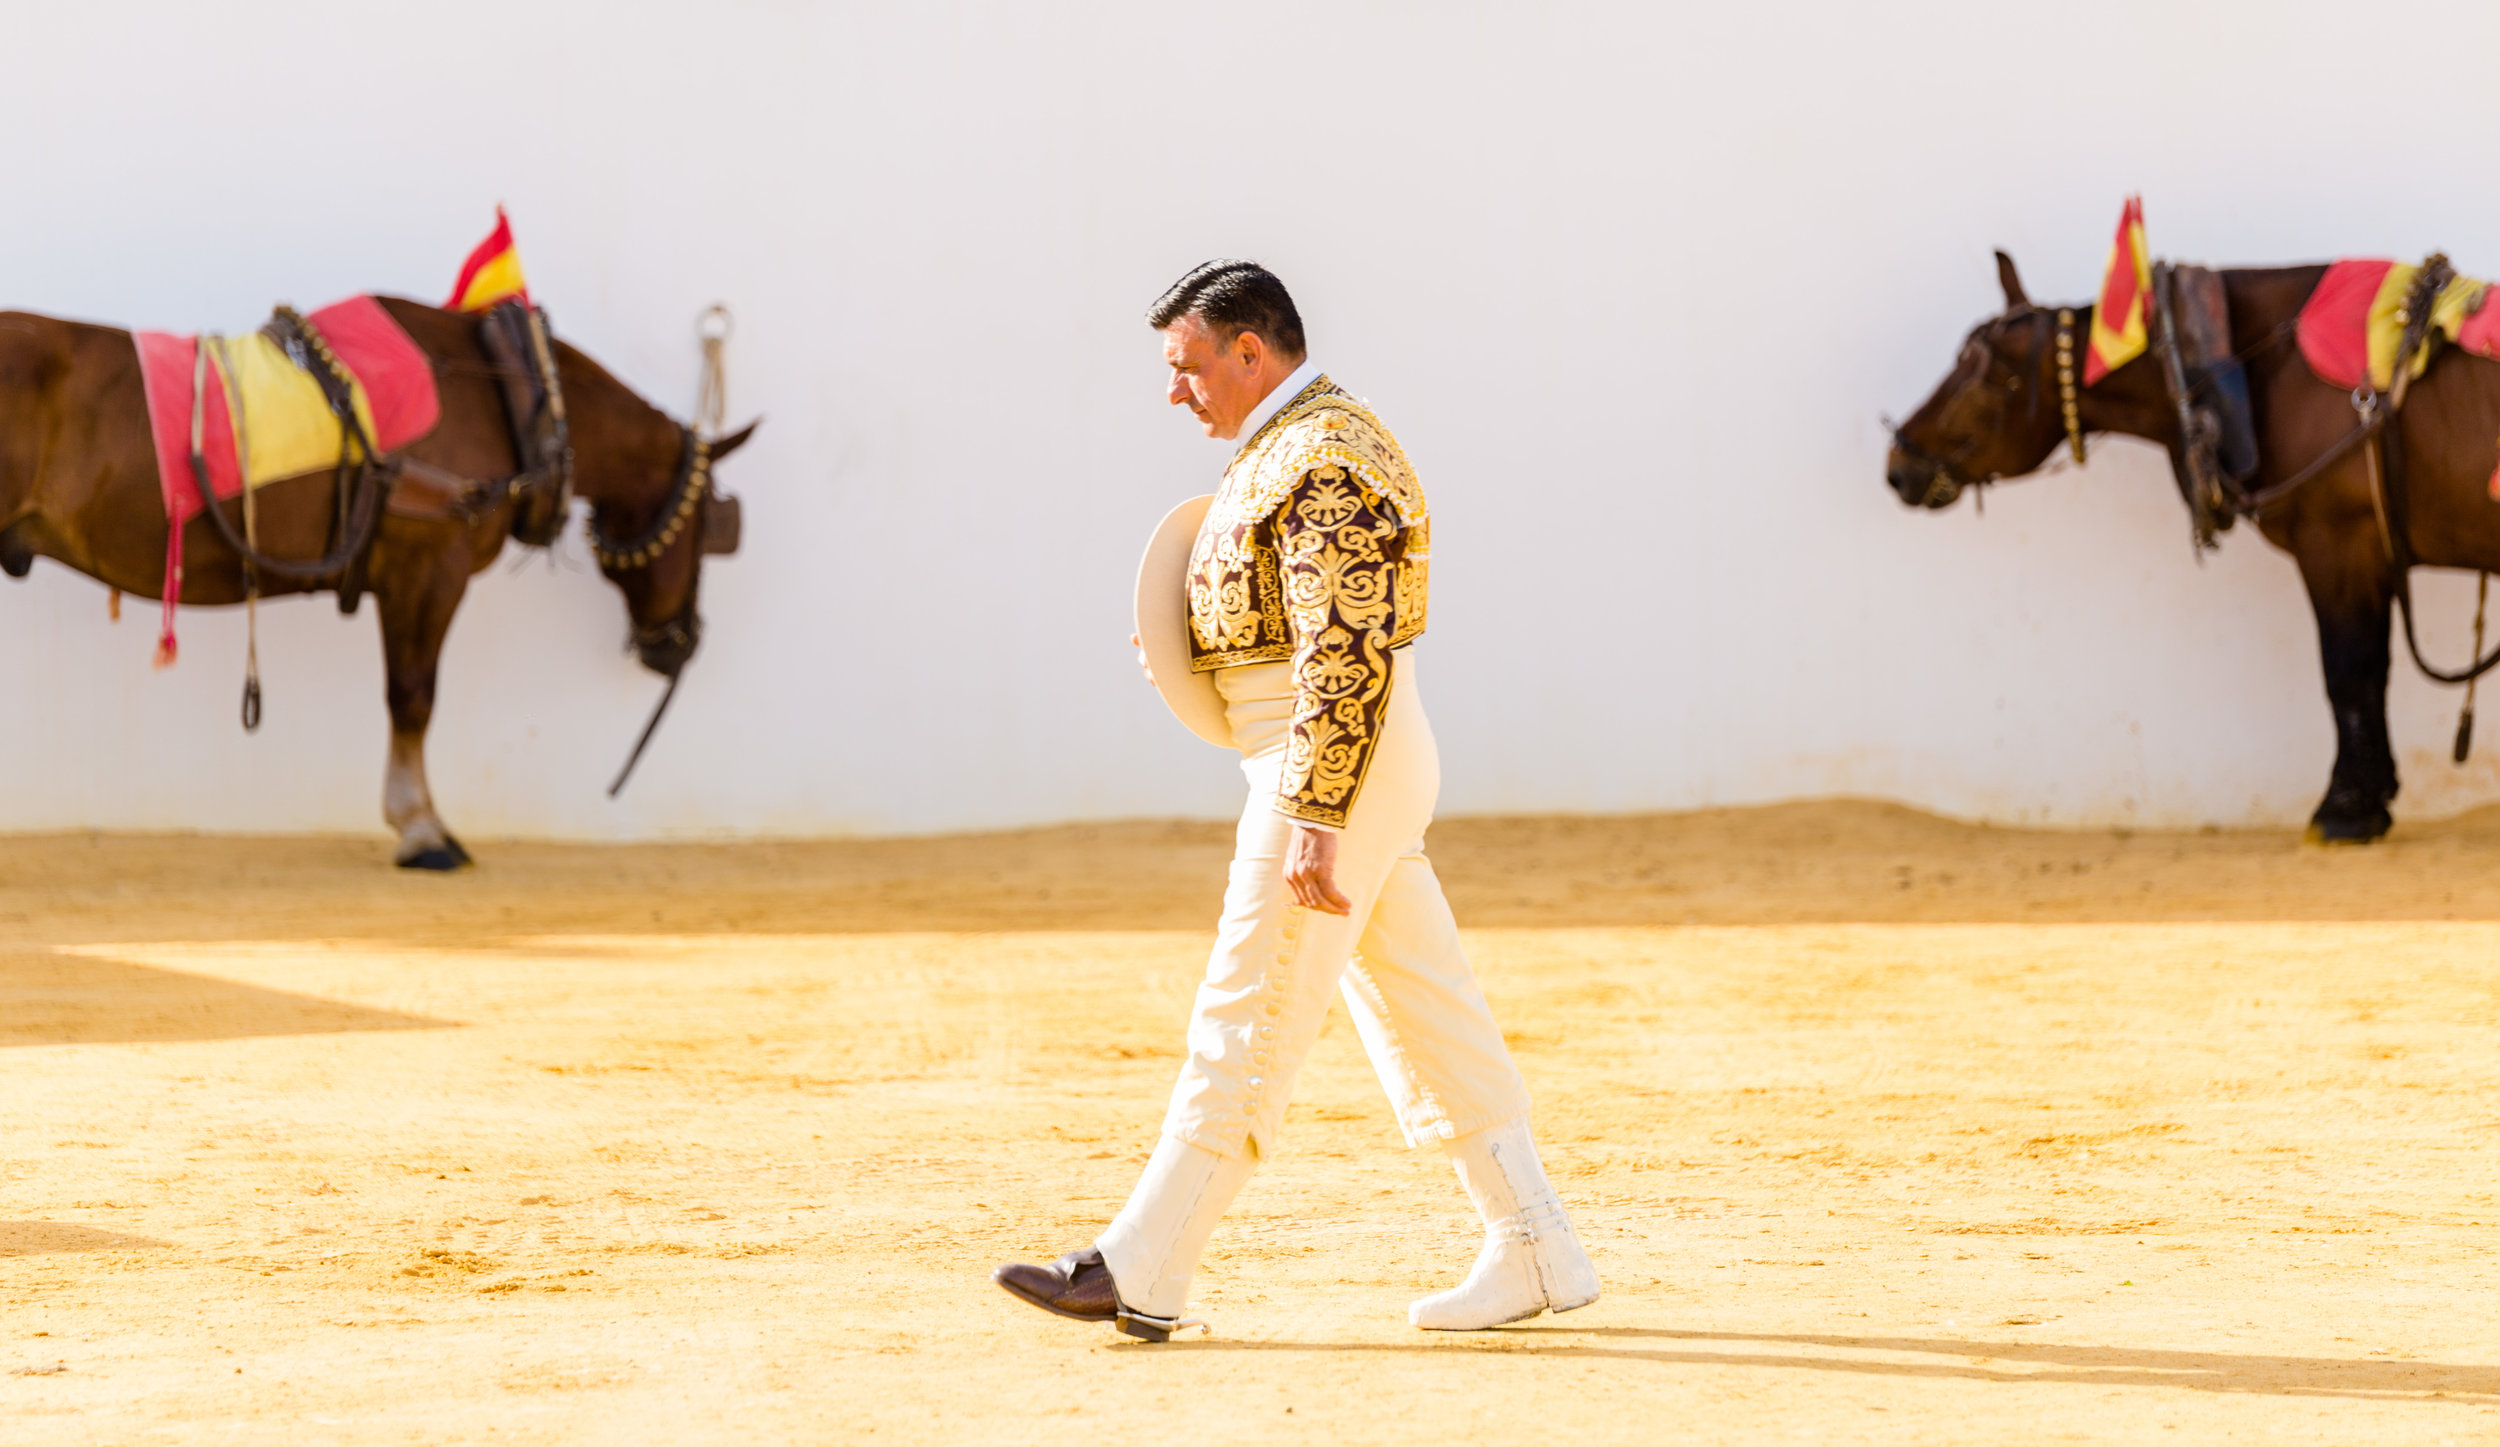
column 1143, row 666
column 1311, row 871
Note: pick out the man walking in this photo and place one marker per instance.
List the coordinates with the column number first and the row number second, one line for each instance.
column 1305, row 585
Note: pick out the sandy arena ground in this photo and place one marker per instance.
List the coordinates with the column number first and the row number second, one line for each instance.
column 1880, row 1129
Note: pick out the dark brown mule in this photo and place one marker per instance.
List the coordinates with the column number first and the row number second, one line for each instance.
column 1997, row 415
column 78, row 484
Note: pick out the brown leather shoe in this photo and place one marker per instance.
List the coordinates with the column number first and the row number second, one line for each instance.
column 1076, row 1285
column 1079, row 1286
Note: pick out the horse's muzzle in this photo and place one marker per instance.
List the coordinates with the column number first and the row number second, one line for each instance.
column 664, row 649
column 1919, row 482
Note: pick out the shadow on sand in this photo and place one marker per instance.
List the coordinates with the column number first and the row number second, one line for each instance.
column 2009, row 1362
column 1826, row 862
column 78, row 999
column 47, row 1238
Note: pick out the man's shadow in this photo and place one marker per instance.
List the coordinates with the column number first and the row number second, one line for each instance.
column 2058, row 1362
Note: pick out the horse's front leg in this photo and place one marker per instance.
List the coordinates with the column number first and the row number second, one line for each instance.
column 2352, row 592
column 417, row 585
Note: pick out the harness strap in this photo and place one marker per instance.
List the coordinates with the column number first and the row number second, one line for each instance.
column 236, row 407
column 650, row 727
column 422, row 490
column 2464, row 745
column 2434, row 277
column 2388, row 461
column 362, row 483
column 2388, row 494
column 2203, row 484
column 2252, row 503
column 514, row 336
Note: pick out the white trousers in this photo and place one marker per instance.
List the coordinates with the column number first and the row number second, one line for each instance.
column 1396, row 958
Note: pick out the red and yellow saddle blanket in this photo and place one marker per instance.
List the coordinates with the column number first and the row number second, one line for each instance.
column 2350, row 327
column 265, row 418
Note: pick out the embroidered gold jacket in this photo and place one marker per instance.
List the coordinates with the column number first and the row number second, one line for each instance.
column 1317, row 549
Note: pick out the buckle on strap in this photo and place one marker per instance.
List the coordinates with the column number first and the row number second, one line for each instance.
column 1531, row 1224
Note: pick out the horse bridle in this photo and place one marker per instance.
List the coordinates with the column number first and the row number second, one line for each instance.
column 694, row 478
column 1947, row 482
column 677, row 634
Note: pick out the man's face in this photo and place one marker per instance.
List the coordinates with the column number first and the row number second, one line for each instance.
column 1217, row 381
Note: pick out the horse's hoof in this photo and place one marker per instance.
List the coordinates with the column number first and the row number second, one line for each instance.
column 458, row 854
column 2364, row 830
column 438, row 859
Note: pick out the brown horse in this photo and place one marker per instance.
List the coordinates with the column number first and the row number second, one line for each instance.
column 78, row 484
column 1997, row 414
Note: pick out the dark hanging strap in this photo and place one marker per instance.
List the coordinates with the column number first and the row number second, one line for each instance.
column 2465, row 717
column 647, row 730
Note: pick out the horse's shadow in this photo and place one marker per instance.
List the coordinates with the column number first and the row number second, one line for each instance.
column 2011, row 1362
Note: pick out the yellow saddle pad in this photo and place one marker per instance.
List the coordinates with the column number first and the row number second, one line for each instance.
column 283, row 424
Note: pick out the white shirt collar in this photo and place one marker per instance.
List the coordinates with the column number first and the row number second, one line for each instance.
column 1286, row 390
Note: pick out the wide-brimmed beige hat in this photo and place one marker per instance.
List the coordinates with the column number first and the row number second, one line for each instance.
column 1163, row 624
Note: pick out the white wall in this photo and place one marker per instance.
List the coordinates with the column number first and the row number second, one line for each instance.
column 1632, row 282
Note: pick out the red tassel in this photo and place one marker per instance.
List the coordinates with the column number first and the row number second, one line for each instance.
column 166, row 652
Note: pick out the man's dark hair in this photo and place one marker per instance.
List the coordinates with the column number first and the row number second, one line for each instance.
column 1234, row 297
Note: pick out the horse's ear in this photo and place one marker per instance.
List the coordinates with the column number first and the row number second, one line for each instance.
column 2012, row 281
column 723, row 446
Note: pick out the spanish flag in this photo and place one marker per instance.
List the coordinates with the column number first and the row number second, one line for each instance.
column 2118, row 321
column 492, row 272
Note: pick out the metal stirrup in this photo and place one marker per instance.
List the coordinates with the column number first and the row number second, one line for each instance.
column 1156, row 1328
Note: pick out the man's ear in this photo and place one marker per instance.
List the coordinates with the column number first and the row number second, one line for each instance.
column 1249, row 347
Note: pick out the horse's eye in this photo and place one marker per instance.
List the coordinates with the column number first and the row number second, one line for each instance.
column 2013, row 384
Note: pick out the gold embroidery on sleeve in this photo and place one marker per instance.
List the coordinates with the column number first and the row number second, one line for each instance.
column 1339, row 539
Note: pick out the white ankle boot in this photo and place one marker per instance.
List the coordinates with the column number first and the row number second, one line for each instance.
column 1531, row 1261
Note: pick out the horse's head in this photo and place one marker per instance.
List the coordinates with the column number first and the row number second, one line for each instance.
column 654, row 513
column 1999, row 412
column 653, row 550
